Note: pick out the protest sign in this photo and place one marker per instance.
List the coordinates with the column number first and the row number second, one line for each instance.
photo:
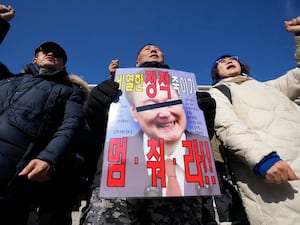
column 157, row 120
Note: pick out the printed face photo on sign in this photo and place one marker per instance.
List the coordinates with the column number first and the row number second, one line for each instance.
column 156, row 141
column 159, row 113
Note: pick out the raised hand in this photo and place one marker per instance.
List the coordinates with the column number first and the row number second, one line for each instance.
column 113, row 66
column 6, row 12
column 292, row 26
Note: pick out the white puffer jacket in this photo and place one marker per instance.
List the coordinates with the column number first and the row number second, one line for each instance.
column 263, row 119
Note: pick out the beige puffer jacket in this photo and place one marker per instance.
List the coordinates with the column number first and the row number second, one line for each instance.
column 262, row 119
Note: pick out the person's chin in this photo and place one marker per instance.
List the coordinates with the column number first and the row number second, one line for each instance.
column 50, row 66
column 171, row 138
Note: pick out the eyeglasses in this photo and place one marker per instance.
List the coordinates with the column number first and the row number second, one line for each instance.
column 224, row 60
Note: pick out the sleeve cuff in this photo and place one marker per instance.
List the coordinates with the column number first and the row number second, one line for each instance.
column 266, row 163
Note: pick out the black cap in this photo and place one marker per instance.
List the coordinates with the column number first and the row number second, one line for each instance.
column 53, row 47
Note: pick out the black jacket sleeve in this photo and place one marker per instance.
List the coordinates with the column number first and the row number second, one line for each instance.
column 208, row 105
column 96, row 115
column 97, row 105
column 4, row 27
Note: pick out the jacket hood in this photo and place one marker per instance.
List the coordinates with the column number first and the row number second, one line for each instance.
column 74, row 79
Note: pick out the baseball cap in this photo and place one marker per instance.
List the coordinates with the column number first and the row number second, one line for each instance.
column 53, row 47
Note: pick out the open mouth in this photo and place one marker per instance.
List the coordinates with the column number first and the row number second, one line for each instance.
column 230, row 67
column 166, row 125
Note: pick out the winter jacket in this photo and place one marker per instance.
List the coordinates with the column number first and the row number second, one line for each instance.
column 39, row 116
column 263, row 119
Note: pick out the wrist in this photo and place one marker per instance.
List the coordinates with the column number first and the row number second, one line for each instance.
column 266, row 163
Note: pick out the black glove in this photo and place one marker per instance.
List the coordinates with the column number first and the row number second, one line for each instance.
column 103, row 94
column 208, row 105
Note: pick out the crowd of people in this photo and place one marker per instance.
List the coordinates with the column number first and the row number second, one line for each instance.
column 52, row 137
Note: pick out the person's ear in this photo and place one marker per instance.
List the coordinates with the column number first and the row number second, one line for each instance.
column 137, row 64
column 134, row 113
column 34, row 60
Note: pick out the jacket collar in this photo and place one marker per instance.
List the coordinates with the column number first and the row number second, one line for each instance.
column 237, row 79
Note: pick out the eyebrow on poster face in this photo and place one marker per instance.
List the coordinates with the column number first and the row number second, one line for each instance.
column 158, row 105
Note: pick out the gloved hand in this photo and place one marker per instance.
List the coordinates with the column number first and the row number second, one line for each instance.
column 208, row 105
column 102, row 95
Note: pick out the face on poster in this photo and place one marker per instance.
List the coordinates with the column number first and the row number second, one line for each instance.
column 156, row 117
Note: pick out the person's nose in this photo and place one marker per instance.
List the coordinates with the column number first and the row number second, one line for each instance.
column 164, row 112
column 229, row 60
column 50, row 53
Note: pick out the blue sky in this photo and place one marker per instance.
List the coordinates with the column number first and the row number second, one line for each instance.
column 191, row 33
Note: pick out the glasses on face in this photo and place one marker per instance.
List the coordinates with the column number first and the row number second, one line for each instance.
column 226, row 59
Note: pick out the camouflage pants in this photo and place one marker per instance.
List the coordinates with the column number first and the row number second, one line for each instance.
column 165, row 211
column 106, row 211
column 154, row 211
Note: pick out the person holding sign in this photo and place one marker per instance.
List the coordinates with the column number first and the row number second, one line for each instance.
column 178, row 210
column 260, row 126
column 158, row 110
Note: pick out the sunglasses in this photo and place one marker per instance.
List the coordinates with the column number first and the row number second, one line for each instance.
column 56, row 52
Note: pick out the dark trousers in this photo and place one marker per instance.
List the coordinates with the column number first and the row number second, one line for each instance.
column 15, row 202
column 56, row 199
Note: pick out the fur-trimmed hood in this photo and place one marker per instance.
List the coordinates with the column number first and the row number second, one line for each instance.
column 75, row 79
